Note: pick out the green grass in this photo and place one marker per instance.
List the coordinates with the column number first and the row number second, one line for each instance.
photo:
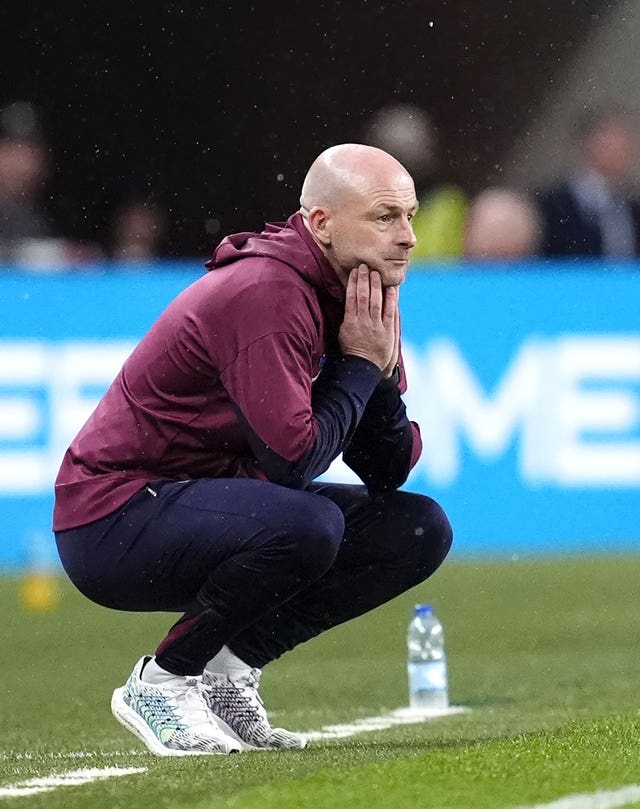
column 545, row 653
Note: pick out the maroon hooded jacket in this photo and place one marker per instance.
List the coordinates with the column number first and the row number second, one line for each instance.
column 241, row 376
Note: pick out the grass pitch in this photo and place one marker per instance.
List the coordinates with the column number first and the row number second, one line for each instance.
column 544, row 653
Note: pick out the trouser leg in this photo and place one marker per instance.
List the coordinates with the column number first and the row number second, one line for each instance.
column 390, row 544
column 225, row 552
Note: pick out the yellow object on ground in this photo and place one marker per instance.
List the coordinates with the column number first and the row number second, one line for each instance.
column 39, row 591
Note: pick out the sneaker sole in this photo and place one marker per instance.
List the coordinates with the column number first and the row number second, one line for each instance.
column 133, row 722
column 229, row 731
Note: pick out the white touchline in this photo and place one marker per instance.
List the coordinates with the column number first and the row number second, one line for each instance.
column 602, row 799
column 401, row 716
column 66, row 779
column 52, row 755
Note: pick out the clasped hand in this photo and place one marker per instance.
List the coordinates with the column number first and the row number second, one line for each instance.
column 371, row 325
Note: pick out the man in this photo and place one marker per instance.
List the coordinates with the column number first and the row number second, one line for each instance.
column 409, row 134
column 190, row 488
column 36, row 221
column 502, row 225
column 591, row 213
column 23, row 173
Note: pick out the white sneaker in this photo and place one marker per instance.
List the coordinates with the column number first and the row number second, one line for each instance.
column 240, row 712
column 172, row 719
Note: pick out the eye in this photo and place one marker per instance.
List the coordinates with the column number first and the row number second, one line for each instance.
column 385, row 217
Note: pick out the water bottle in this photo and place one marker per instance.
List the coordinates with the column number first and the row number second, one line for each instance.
column 426, row 663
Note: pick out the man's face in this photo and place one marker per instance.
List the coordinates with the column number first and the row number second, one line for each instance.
column 373, row 226
column 22, row 168
column 611, row 149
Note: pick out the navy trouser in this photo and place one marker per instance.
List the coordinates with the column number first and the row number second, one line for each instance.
column 253, row 565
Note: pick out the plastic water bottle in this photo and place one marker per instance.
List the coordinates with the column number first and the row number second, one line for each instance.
column 426, row 663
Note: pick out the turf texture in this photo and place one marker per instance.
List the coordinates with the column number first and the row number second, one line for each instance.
column 544, row 653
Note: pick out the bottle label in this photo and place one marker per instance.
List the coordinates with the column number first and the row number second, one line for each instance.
column 428, row 676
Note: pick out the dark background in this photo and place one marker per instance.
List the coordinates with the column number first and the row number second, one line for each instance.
column 215, row 111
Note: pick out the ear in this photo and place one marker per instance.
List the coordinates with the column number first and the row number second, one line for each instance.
column 319, row 219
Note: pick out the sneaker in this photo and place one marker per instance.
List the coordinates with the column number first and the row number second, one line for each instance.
column 172, row 719
column 240, row 712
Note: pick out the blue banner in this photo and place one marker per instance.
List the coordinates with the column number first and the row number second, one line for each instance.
column 526, row 385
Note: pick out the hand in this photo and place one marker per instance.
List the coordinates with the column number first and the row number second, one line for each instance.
column 370, row 328
column 391, row 367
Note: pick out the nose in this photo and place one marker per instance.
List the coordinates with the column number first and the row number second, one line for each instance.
column 406, row 237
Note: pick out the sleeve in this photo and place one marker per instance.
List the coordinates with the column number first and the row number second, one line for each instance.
column 294, row 428
column 386, row 445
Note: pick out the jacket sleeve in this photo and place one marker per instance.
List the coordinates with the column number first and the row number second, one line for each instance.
column 295, row 428
column 337, row 407
column 386, row 445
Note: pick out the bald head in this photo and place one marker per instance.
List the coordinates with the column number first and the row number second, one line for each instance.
column 502, row 224
column 358, row 202
column 349, row 169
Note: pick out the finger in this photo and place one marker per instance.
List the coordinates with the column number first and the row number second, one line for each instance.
column 376, row 296
column 396, row 338
column 363, row 289
column 390, row 310
column 351, row 299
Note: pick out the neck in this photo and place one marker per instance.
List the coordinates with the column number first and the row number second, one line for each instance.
column 343, row 276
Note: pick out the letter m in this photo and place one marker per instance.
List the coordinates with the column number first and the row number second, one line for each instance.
column 458, row 408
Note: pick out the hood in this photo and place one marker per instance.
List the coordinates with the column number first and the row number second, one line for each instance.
column 288, row 242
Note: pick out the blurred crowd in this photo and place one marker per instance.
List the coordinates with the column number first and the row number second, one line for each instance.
column 33, row 221
column 590, row 211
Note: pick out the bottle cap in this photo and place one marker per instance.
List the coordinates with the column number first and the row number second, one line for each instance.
column 423, row 609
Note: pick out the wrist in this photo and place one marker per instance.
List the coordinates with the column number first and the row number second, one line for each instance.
column 391, row 381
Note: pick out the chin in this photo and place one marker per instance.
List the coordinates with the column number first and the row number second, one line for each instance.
column 393, row 278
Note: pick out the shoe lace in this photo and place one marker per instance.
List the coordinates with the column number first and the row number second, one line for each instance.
column 249, row 684
column 190, row 700
column 242, row 692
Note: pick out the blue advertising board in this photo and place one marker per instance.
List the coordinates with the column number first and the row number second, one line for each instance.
column 525, row 383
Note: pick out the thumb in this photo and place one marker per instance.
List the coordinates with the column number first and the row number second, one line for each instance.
column 390, row 303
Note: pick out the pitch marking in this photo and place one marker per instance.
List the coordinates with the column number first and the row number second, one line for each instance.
column 401, row 716
column 72, row 778
column 602, row 799
column 71, row 754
